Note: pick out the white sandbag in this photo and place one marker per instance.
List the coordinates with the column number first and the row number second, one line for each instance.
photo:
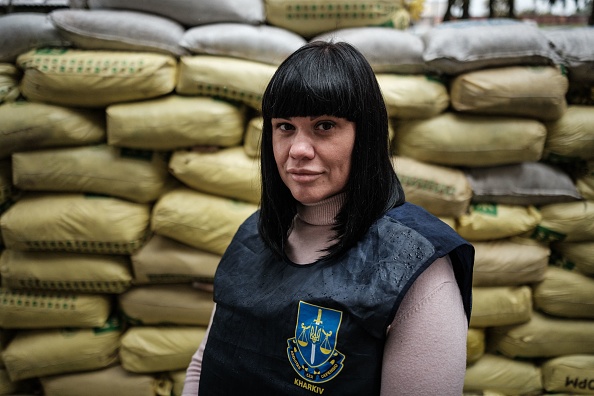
column 150, row 349
column 23, row 31
column 165, row 260
column 27, row 126
column 585, row 181
column 460, row 46
column 75, row 223
column 493, row 373
column 204, row 221
column 189, row 12
column 525, row 183
column 573, row 374
column 443, row 191
column 228, row 172
column 108, row 381
column 470, row 140
column 228, row 78
column 571, row 137
column 544, row 336
column 263, row 43
column 573, row 44
column 509, row 262
column 534, row 92
column 174, row 304
column 9, row 82
column 86, row 78
column 69, row 272
column 566, row 294
column 312, row 17
column 574, row 256
column 570, row 222
column 485, row 222
column 40, row 353
column 500, row 306
column 387, row 50
column 31, row 309
column 253, row 136
column 119, row 30
column 173, row 122
column 475, row 345
column 413, row 96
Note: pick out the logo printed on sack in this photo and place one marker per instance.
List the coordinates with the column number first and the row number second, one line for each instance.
column 312, row 352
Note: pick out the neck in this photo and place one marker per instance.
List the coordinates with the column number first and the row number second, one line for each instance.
column 321, row 213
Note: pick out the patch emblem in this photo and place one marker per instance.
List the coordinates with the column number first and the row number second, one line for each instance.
column 312, row 352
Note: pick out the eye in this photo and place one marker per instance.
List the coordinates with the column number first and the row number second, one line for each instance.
column 284, row 126
column 325, row 125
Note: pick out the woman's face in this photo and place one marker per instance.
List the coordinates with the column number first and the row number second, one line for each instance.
column 313, row 155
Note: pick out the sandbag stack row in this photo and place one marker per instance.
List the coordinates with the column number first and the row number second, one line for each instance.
column 130, row 159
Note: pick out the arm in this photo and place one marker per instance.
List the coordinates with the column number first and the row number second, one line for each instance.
column 194, row 369
column 425, row 351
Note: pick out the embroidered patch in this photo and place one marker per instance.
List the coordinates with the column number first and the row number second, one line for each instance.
column 312, row 352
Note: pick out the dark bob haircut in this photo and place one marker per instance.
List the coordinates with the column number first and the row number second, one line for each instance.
column 324, row 78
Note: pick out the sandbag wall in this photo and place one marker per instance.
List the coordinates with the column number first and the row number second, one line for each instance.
column 128, row 158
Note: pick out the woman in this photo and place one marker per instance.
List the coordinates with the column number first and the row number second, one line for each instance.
column 336, row 286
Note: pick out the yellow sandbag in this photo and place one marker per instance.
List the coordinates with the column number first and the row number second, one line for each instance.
column 164, row 260
column 40, row 353
column 570, row 222
column 441, row 190
column 87, row 78
column 234, row 79
column 173, row 122
column 75, row 223
column 179, row 304
column 509, row 262
column 534, row 92
column 500, row 374
column 200, row 220
column 565, row 294
column 229, row 172
column 585, row 182
column 311, row 17
column 108, row 381
column 139, row 176
column 500, row 306
column 253, row 136
column 413, row 96
column 475, row 345
column 544, row 336
column 573, row 374
column 574, row 256
column 485, row 222
column 178, row 378
column 27, row 126
column 571, row 137
column 470, row 140
column 150, row 349
column 30, row 309
column 71, row 272
column 9, row 82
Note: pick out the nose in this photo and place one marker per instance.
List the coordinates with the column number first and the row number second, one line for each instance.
column 301, row 146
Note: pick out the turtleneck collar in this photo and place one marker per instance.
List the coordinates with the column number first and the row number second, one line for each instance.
column 321, row 213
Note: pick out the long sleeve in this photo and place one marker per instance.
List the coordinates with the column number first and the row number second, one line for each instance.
column 425, row 351
column 192, row 380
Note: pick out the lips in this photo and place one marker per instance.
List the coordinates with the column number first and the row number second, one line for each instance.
column 303, row 175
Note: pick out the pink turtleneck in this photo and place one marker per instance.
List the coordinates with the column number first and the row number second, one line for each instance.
column 425, row 351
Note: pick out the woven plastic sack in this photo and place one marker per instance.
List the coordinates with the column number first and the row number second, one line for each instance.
column 29, row 309
column 108, row 381
column 68, row 272
column 585, row 182
column 577, row 256
column 86, row 78
column 574, row 47
column 263, row 43
column 493, row 373
column 229, row 172
column 9, row 82
column 224, row 77
column 40, row 353
column 164, row 260
column 534, row 92
column 570, row 222
column 75, row 223
column 566, row 294
column 27, row 126
column 150, row 349
column 413, row 96
column 569, row 375
column 475, row 345
column 7, row 189
column 253, row 136
column 178, row 378
column 485, row 222
column 571, row 137
column 509, row 262
column 544, row 337
column 500, row 306
column 469, row 140
column 441, row 190
column 175, row 304
column 200, row 220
